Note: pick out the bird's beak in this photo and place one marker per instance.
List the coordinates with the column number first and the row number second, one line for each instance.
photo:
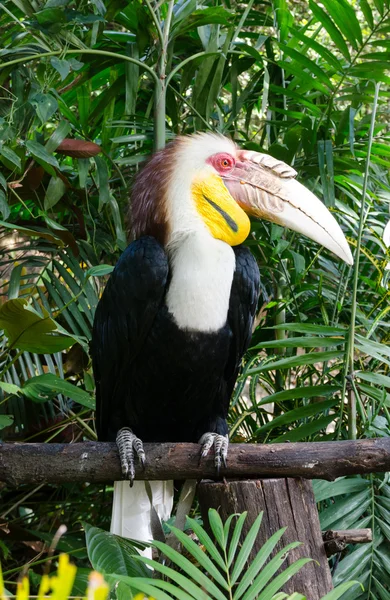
column 265, row 187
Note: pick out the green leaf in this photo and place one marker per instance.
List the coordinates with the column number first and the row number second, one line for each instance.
column 45, row 387
column 11, row 156
column 311, row 328
column 54, row 192
column 185, row 582
column 104, row 189
column 339, row 591
column 246, row 549
column 110, row 553
column 6, row 421
column 99, row 271
column 311, row 391
column 217, row 527
column 200, row 556
column 3, row 182
column 254, row 568
column 45, row 105
column 191, row 570
column 302, row 342
column 281, row 579
column 296, row 361
column 330, row 27
column 27, row 330
column 39, row 152
column 298, row 413
column 10, row 388
column 205, row 539
column 4, row 207
column 60, row 133
column 61, row 66
column 269, row 571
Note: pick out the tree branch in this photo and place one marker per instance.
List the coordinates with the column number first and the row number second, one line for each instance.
column 99, row 462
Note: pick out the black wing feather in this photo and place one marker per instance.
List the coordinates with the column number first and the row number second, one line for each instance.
column 242, row 309
column 123, row 319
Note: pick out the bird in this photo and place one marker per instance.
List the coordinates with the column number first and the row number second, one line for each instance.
column 176, row 315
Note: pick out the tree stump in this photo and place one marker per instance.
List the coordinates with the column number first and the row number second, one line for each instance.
column 286, row 503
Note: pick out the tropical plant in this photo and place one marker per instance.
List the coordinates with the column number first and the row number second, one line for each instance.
column 211, row 570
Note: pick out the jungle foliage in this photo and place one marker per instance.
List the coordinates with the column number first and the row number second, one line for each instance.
column 303, row 81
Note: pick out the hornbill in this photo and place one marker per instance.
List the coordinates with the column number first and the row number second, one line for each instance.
column 176, row 315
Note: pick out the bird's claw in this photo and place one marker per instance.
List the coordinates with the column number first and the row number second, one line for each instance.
column 220, row 443
column 128, row 445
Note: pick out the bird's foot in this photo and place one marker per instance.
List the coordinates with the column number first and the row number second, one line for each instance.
column 220, row 443
column 129, row 445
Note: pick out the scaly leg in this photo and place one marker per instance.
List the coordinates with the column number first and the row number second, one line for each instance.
column 220, row 443
column 129, row 445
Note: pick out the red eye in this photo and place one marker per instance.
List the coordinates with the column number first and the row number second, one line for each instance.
column 222, row 162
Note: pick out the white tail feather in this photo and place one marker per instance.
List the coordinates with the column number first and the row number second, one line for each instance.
column 131, row 509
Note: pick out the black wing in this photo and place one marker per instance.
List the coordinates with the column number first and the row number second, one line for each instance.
column 123, row 319
column 242, row 309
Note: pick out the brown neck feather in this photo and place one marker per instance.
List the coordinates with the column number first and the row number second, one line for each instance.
column 148, row 209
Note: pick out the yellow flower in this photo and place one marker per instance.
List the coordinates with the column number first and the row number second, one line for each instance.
column 141, row 596
column 97, row 587
column 23, row 589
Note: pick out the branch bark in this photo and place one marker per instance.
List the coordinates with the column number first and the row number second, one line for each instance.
column 98, row 462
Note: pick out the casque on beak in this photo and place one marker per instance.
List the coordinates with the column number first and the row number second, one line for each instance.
column 265, row 187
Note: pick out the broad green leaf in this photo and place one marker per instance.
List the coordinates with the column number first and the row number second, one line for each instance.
column 27, row 330
column 45, row 105
column 61, row 66
column 54, row 192
column 58, row 135
column 6, row 421
column 10, row 388
column 10, row 155
column 110, row 553
column 45, row 387
column 39, row 152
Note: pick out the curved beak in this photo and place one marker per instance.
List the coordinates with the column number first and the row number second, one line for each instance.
column 265, row 187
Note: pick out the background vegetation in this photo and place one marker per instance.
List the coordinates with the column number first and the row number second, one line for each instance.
column 305, row 82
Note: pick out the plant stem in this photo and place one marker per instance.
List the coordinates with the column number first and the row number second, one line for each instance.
column 160, row 92
column 350, row 350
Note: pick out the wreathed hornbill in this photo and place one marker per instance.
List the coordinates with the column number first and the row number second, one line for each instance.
column 176, row 315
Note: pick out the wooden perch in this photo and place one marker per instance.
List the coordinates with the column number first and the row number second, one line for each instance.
column 336, row 541
column 98, row 461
